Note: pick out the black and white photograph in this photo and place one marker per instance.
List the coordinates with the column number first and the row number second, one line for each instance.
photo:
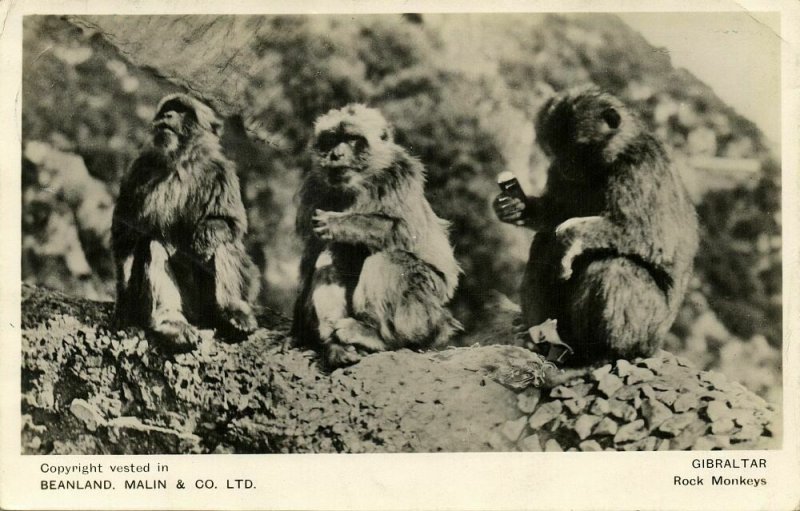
column 399, row 232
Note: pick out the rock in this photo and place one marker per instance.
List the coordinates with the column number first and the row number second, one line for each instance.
column 584, row 425
column 675, row 424
column 622, row 410
column 87, row 413
column 609, row 384
column 599, row 373
column 717, row 410
column 545, row 413
column 638, row 375
column 528, row 399
column 631, row 431
column 513, row 429
column 563, row 392
column 654, row 413
column 590, row 446
column 600, row 407
column 686, row 402
column 606, row 426
column 552, row 446
column 531, row 443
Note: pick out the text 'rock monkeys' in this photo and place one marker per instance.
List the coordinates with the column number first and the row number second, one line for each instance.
column 616, row 233
column 177, row 232
column 377, row 268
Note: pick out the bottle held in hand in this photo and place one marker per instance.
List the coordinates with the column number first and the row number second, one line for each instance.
column 510, row 185
column 510, row 205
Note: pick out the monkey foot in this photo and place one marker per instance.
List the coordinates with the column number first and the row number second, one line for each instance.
column 547, row 342
column 177, row 336
column 236, row 324
column 350, row 331
column 338, row 355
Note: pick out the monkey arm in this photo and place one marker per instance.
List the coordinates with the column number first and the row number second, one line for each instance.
column 375, row 230
column 580, row 234
column 596, row 233
column 539, row 213
column 224, row 219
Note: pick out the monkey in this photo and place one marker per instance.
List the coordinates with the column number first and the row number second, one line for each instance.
column 177, row 233
column 377, row 269
column 616, row 232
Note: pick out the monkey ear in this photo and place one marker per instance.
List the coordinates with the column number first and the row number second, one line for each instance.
column 217, row 127
column 612, row 118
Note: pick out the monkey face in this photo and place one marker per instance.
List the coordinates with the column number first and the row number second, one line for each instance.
column 166, row 131
column 353, row 146
column 172, row 126
column 341, row 155
column 179, row 120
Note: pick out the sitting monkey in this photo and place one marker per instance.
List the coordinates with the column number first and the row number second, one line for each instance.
column 616, row 233
column 177, row 232
column 377, row 268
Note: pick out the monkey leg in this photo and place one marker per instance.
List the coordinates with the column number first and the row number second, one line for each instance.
column 399, row 302
column 235, row 319
column 542, row 294
column 133, row 303
column 328, row 296
column 166, row 319
column 329, row 302
column 617, row 310
column 124, row 301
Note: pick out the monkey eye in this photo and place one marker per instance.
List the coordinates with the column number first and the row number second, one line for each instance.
column 612, row 118
column 326, row 141
column 358, row 142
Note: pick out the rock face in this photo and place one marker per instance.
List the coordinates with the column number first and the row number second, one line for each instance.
column 88, row 390
column 228, row 45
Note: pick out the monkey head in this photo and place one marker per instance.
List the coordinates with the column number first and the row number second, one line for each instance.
column 179, row 120
column 585, row 124
column 352, row 144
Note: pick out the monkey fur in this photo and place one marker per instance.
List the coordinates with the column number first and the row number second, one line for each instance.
column 377, row 269
column 177, row 233
column 616, row 231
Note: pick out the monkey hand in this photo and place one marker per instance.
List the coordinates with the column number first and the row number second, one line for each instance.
column 509, row 209
column 325, row 223
column 570, row 235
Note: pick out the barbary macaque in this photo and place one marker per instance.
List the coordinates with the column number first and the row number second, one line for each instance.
column 178, row 230
column 616, row 233
column 377, row 269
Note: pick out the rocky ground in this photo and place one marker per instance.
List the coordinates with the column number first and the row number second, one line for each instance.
column 88, row 390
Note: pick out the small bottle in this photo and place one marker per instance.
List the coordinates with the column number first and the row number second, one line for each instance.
column 510, row 186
